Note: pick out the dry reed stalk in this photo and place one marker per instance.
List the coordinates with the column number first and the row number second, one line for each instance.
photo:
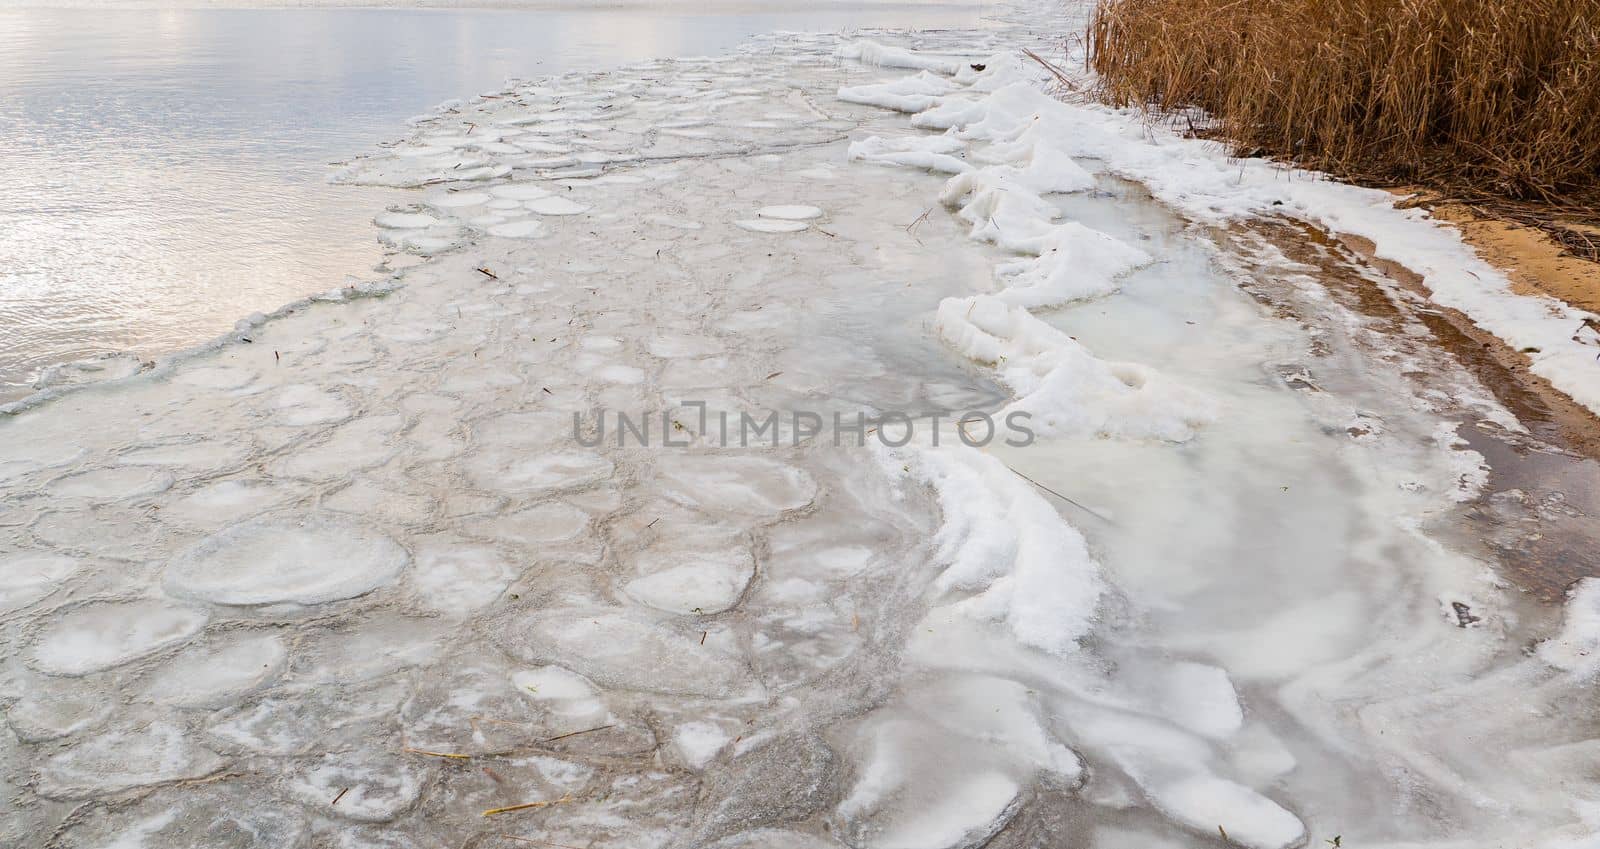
column 1485, row 98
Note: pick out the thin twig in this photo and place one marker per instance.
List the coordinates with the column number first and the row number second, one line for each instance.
column 576, row 733
column 526, row 806
column 1093, row 513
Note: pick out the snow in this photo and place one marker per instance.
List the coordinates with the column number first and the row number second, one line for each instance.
column 699, row 742
column 1060, row 385
column 1576, row 648
column 933, row 153
column 872, row 53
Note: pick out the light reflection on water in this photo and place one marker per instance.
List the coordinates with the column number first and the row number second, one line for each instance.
column 163, row 172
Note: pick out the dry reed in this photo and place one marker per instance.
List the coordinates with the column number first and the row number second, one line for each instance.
column 1480, row 98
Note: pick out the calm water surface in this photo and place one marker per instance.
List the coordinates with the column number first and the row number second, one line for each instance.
column 163, row 172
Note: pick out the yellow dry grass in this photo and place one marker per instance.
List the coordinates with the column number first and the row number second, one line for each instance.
column 1479, row 97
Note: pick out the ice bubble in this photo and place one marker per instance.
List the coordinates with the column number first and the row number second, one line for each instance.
column 310, row 560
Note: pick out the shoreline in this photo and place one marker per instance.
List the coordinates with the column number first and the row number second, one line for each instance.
column 370, row 556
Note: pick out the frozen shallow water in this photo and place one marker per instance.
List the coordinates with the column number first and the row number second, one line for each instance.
column 351, row 579
column 165, row 168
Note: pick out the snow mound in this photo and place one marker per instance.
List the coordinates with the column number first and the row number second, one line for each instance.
column 872, row 53
column 1066, row 390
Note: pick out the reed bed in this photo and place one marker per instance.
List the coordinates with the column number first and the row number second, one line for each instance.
column 1477, row 98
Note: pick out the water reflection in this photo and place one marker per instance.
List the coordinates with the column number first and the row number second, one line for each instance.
column 164, row 171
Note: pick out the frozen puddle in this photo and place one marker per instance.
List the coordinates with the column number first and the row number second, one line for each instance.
column 359, row 579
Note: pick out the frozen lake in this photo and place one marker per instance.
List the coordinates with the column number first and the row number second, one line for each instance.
column 165, row 169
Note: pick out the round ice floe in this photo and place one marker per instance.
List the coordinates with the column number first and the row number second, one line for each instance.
column 542, row 523
column 105, row 634
column 519, row 473
column 215, row 377
column 26, row 578
column 286, row 561
column 741, row 485
column 457, row 578
column 616, row 651
column 115, row 761
column 303, row 404
column 375, row 787
column 771, row 225
column 519, row 191
column 405, row 220
column 528, row 229
column 555, row 206
column 209, row 454
column 112, row 483
column 227, row 501
column 52, row 710
column 695, row 582
column 213, row 674
column 564, row 692
column 789, row 212
column 456, row 200
column 192, row 817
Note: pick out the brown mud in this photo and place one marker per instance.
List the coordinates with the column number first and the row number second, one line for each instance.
column 1538, row 520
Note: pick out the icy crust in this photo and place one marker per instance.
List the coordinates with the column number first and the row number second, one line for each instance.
column 357, row 581
column 1062, row 388
column 1010, row 556
column 1197, row 178
column 349, row 578
column 1005, row 167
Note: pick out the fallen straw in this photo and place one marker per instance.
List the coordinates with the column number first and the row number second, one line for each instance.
column 526, row 806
